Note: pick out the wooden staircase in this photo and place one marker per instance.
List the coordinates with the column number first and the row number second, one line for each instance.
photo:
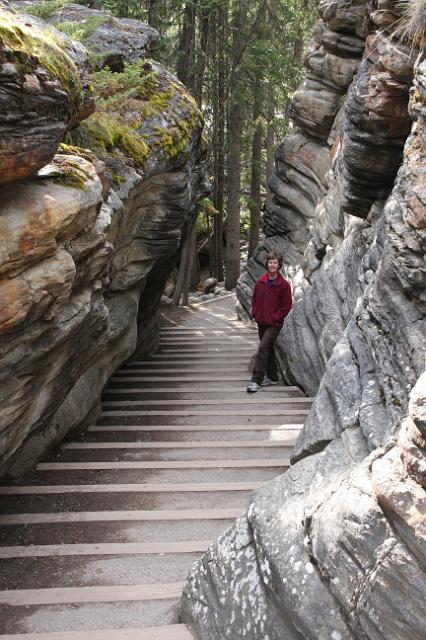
column 96, row 542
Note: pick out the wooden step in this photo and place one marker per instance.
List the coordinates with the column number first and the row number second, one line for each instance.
column 119, row 516
column 237, row 392
column 168, row 372
column 278, row 411
column 225, row 352
column 164, row 464
column 226, row 330
column 206, row 444
column 222, row 330
column 131, row 488
column 208, row 341
column 166, row 632
column 104, row 549
column 69, row 595
column 239, row 401
column 163, row 362
column 188, row 428
column 186, row 378
column 189, row 357
column 186, row 450
column 279, row 418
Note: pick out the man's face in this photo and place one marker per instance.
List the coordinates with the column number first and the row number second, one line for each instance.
column 273, row 266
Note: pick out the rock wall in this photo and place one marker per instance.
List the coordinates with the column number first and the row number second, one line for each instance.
column 87, row 244
column 336, row 547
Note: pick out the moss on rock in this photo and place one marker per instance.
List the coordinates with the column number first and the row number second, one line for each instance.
column 139, row 110
column 103, row 134
column 66, row 170
column 29, row 47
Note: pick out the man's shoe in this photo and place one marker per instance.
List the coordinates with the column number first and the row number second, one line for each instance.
column 267, row 381
column 252, row 387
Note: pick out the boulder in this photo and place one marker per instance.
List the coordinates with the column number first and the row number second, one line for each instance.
column 111, row 41
column 209, row 285
column 44, row 91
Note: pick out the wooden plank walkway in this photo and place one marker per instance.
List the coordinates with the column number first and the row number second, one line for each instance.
column 96, row 541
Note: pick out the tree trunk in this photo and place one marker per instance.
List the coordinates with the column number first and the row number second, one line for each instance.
column 185, row 73
column 185, row 265
column 153, row 11
column 186, row 49
column 256, row 172
column 235, row 129
column 270, row 127
column 219, row 142
column 201, row 55
column 195, row 271
column 191, row 250
column 270, row 142
column 123, row 9
column 180, row 282
column 235, row 126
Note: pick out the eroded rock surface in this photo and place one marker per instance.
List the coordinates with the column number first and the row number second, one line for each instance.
column 44, row 91
column 336, row 547
column 87, row 245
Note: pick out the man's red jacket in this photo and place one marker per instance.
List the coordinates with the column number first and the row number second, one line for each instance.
column 270, row 305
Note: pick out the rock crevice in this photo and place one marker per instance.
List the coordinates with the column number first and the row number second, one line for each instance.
column 342, row 532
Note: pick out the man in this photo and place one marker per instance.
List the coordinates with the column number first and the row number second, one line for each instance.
column 270, row 304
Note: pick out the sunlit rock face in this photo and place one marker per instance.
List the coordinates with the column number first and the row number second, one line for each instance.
column 336, row 547
column 86, row 247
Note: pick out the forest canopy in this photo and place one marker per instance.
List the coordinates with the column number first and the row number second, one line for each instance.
column 241, row 60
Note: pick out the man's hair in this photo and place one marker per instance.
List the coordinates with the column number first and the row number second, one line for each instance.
column 274, row 255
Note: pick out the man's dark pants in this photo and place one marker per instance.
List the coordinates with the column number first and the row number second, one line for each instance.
column 265, row 362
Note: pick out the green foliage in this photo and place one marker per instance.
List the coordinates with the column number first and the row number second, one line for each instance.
column 80, row 31
column 137, row 79
column 46, row 8
column 126, row 102
column 245, row 222
column 273, row 35
column 206, row 211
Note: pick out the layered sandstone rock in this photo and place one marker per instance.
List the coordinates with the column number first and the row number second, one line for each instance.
column 332, row 549
column 87, row 245
column 330, row 183
column 336, row 547
column 44, row 91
